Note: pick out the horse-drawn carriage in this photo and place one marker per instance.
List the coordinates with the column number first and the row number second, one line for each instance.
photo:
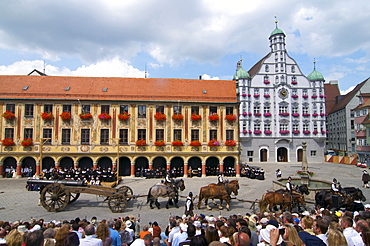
column 349, row 198
column 55, row 195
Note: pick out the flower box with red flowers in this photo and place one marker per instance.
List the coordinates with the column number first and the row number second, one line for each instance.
column 8, row 115
column 159, row 143
column 257, row 132
column 104, row 116
column 306, row 115
column 268, row 132
column 257, row 114
column 295, row 96
column 256, row 95
column 124, row 116
column 47, row 116
column 231, row 117
column 141, row 142
column 195, row 143
column 159, row 116
column 214, row 117
column 294, row 82
column 284, row 132
column 306, row 132
column 323, row 132
column 322, row 114
column 7, row 142
column 295, row 115
column 249, row 95
column 315, row 115
column 314, row 96
column 267, row 114
column 85, row 116
column 315, row 132
column 230, row 143
column 177, row 117
column 267, row 96
column 245, row 113
column 250, row 114
column 27, row 142
column 195, row 116
column 302, row 173
column 305, row 96
column 214, row 142
column 177, row 143
column 322, row 96
column 245, row 131
column 296, row 132
column 266, row 82
column 65, row 115
column 284, row 114
column 244, row 95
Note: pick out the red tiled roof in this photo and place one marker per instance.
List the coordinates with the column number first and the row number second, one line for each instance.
column 348, row 97
column 331, row 92
column 129, row 89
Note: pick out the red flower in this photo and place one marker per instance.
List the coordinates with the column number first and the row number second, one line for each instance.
column 104, row 116
column 214, row 142
column 8, row 115
column 230, row 143
column 177, row 117
column 85, row 116
column 195, row 116
column 231, row 117
column 124, row 116
column 47, row 116
column 141, row 142
column 195, row 143
column 7, row 142
column 160, row 116
column 159, row 143
column 214, row 117
column 177, row 143
column 27, row 142
column 65, row 115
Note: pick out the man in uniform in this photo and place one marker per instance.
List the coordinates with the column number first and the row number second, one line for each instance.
column 221, row 179
column 168, row 179
column 189, row 205
column 335, row 187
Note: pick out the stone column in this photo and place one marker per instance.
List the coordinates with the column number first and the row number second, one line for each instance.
column 168, row 166
column 221, row 166
column 75, row 165
column 150, row 165
column 19, row 170
column 1, row 169
column 237, row 170
column 57, row 165
column 304, row 178
column 95, row 165
column 132, row 170
column 114, row 165
column 185, row 169
column 37, row 168
column 203, row 169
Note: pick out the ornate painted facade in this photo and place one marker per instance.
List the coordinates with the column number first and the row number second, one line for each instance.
column 80, row 122
column 280, row 107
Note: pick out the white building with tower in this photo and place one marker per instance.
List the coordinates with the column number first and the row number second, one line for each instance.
column 280, row 108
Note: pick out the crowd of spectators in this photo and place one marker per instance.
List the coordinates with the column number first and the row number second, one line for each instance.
column 318, row 227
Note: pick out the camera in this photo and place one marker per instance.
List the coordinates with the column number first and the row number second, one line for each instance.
column 281, row 231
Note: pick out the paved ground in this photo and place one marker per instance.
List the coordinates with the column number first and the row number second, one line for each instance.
column 18, row 204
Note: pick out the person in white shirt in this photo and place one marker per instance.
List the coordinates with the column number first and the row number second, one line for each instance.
column 131, row 231
column 221, row 179
column 320, row 227
column 189, row 205
column 90, row 239
column 352, row 236
column 335, row 186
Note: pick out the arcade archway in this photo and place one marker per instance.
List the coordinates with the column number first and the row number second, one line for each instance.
column 47, row 163
column 85, row 163
column 9, row 164
column 282, row 154
column 66, row 162
column 177, row 166
column 105, row 163
column 212, row 166
column 124, row 167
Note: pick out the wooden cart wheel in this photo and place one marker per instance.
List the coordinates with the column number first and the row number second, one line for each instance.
column 73, row 197
column 54, row 197
column 117, row 204
column 127, row 191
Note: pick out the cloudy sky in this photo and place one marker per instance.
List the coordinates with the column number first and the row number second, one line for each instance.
column 182, row 39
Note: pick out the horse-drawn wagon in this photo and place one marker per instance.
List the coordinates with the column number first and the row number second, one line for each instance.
column 55, row 195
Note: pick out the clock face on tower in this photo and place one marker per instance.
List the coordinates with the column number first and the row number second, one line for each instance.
column 283, row 93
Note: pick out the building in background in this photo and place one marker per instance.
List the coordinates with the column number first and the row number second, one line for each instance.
column 280, row 108
column 131, row 124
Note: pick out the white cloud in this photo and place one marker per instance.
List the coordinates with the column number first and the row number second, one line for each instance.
column 208, row 77
column 106, row 68
column 347, row 91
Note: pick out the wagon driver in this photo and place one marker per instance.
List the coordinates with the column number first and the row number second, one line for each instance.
column 189, row 205
column 289, row 186
column 168, row 180
column 221, row 179
column 335, row 187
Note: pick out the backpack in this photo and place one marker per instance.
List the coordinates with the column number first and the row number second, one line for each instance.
column 125, row 237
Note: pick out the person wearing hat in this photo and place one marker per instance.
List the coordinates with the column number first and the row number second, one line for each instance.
column 365, row 179
column 220, row 179
column 189, row 205
column 335, row 187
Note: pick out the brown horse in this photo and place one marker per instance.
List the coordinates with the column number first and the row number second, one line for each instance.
column 271, row 199
column 222, row 192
